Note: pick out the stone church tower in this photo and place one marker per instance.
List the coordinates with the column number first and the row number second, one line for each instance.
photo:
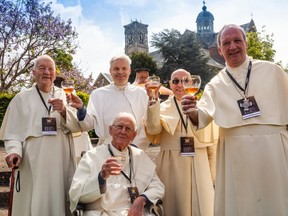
column 136, row 38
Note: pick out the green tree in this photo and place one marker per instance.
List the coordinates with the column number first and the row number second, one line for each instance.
column 141, row 60
column 260, row 45
column 28, row 29
column 67, row 70
column 181, row 51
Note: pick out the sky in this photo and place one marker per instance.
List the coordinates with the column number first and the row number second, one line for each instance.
column 99, row 23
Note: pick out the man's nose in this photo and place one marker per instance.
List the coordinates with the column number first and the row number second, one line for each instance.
column 233, row 45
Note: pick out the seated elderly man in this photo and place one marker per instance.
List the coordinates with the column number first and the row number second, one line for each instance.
column 108, row 188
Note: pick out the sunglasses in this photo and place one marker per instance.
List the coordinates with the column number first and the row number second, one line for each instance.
column 176, row 81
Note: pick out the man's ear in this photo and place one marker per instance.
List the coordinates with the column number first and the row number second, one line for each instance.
column 220, row 51
column 110, row 130
column 134, row 135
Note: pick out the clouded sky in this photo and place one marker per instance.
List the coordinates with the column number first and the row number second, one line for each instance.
column 99, row 23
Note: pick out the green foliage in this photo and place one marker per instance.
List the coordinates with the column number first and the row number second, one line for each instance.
column 5, row 100
column 181, row 51
column 260, row 45
column 84, row 97
column 63, row 59
column 67, row 70
column 141, row 60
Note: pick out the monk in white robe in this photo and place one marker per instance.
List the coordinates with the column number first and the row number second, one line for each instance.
column 141, row 79
column 187, row 179
column 46, row 162
column 105, row 102
column 252, row 165
column 94, row 181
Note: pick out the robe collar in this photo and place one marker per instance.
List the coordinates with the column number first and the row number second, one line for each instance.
column 120, row 88
column 170, row 115
column 240, row 68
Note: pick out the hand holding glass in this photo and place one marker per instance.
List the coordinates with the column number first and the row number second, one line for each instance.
column 153, row 82
column 121, row 160
column 191, row 84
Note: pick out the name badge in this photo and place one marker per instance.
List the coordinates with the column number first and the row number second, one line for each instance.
column 248, row 107
column 187, row 146
column 133, row 193
column 49, row 127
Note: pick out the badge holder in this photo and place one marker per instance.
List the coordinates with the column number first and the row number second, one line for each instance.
column 49, row 127
column 187, row 146
column 133, row 193
column 248, row 107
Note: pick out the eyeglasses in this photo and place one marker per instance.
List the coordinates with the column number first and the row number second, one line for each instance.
column 176, row 81
column 121, row 127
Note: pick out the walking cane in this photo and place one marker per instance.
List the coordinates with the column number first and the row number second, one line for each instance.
column 12, row 188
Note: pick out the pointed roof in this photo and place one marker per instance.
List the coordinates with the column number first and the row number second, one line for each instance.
column 249, row 27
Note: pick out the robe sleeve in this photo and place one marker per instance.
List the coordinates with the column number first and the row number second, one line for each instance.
column 152, row 123
column 155, row 189
column 85, row 185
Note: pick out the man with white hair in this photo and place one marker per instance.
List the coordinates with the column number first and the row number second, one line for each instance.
column 37, row 133
column 107, row 188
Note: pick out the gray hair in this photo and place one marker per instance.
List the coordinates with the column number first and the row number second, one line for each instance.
column 226, row 27
column 122, row 57
column 128, row 116
column 39, row 58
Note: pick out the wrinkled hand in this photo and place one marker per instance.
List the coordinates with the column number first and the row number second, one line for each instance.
column 149, row 91
column 13, row 160
column 136, row 209
column 110, row 167
column 58, row 105
column 74, row 101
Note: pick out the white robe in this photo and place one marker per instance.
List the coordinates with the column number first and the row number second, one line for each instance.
column 106, row 102
column 252, row 167
column 48, row 162
column 115, row 201
column 82, row 143
column 187, row 179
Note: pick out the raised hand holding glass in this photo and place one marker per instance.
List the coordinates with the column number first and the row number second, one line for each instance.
column 153, row 82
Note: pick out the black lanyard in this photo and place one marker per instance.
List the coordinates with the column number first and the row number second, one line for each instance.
column 181, row 116
column 246, row 81
column 48, row 109
column 130, row 165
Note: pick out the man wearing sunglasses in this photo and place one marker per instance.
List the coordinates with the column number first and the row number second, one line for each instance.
column 183, row 163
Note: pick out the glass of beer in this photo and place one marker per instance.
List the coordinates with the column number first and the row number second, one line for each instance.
column 191, row 84
column 153, row 82
column 121, row 160
column 67, row 86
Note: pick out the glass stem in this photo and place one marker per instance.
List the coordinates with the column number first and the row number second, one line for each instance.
column 153, row 95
